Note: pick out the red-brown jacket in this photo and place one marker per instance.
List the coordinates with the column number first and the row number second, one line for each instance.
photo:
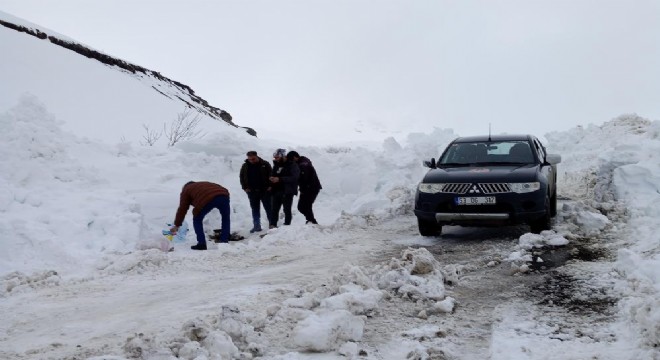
column 197, row 194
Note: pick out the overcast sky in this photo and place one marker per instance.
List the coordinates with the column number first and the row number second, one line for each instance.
column 328, row 69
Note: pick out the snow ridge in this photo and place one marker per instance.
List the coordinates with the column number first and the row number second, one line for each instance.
column 161, row 84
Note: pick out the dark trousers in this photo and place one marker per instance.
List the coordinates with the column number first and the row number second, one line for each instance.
column 258, row 197
column 305, row 203
column 221, row 203
column 281, row 200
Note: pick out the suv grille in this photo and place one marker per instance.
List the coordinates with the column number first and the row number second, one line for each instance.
column 495, row 188
column 483, row 188
column 458, row 188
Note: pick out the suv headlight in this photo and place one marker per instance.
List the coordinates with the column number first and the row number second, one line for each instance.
column 521, row 188
column 431, row 188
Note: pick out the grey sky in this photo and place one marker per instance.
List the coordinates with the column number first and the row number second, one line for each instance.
column 329, row 68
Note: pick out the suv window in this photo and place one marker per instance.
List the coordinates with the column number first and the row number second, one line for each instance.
column 475, row 153
column 540, row 150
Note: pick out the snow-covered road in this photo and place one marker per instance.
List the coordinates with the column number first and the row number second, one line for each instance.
column 153, row 292
column 158, row 294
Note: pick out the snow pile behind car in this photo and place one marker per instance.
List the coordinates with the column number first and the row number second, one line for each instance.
column 616, row 167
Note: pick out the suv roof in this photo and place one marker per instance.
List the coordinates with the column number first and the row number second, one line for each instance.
column 492, row 138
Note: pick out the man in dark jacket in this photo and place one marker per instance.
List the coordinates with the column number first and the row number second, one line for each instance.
column 254, row 181
column 203, row 196
column 284, row 186
column 309, row 183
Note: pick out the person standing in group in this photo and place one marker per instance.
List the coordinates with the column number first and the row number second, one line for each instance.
column 254, row 176
column 204, row 196
column 309, row 183
column 284, row 186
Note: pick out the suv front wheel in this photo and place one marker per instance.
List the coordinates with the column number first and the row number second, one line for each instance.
column 553, row 204
column 542, row 223
column 428, row 228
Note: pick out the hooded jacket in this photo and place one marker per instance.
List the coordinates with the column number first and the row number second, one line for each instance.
column 309, row 180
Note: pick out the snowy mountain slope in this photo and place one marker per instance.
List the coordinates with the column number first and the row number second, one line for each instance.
column 77, row 82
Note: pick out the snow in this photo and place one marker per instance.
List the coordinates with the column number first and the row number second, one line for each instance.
column 84, row 271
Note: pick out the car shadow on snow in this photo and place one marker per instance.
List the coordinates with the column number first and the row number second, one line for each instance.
column 554, row 286
column 548, row 258
column 575, row 294
column 461, row 233
column 578, row 292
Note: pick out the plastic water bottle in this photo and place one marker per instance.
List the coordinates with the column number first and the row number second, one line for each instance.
column 180, row 234
column 168, row 235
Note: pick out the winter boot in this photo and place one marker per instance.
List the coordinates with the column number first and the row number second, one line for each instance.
column 256, row 224
column 199, row 247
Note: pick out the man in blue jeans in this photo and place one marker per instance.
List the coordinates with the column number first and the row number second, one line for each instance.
column 204, row 196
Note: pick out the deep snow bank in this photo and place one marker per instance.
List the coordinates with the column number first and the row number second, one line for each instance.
column 56, row 211
column 616, row 167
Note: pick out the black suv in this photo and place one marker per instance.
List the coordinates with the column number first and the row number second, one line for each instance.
column 489, row 180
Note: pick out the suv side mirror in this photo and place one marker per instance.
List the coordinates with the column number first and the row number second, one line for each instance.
column 430, row 164
column 553, row 159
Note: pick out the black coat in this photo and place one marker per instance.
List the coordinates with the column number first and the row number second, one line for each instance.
column 288, row 173
column 248, row 180
column 309, row 180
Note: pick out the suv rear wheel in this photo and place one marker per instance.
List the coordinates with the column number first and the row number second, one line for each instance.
column 428, row 227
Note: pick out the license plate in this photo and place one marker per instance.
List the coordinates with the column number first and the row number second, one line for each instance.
column 476, row 200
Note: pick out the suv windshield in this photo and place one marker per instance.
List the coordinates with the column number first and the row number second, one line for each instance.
column 483, row 153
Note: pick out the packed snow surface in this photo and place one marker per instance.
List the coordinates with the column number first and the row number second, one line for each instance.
column 84, row 271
